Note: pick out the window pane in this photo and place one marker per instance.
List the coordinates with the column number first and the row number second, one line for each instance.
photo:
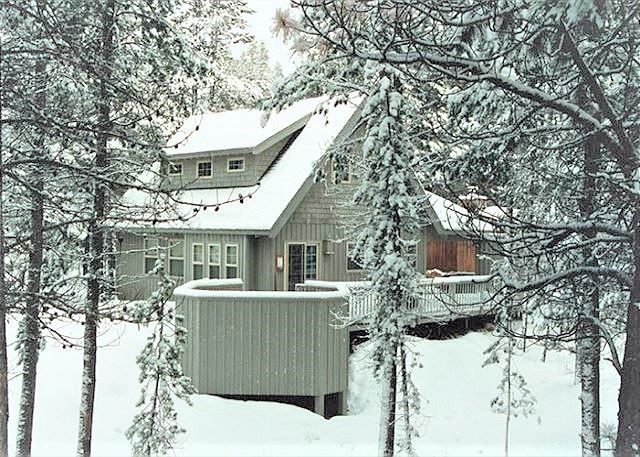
column 232, row 272
column 214, row 271
column 151, row 246
column 412, row 255
column 353, row 263
column 149, row 264
column 204, row 169
column 175, row 168
column 294, row 262
column 197, row 253
column 310, row 262
column 177, row 249
column 176, row 267
column 214, row 254
column 197, row 271
column 341, row 170
column 232, row 255
column 235, row 164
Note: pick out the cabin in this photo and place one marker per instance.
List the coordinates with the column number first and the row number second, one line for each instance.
column 261, row 249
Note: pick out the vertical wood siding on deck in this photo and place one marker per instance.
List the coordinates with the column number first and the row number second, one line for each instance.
column 265, row 345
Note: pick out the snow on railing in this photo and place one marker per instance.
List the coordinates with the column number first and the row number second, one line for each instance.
column 438, row 298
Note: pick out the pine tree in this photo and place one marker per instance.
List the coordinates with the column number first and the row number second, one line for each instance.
column 155, row 428
column 510, row 73
column 101, row 132
column 387, row 192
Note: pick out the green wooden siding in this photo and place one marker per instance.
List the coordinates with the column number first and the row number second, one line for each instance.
column 254, row 167
column 265, row 345
column 133, row 283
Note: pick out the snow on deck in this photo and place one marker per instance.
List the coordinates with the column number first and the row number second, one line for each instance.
column 237, row 129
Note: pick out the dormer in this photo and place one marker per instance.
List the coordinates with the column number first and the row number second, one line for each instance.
column 232, row 148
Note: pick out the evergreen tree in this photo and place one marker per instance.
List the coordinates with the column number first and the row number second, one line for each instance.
column 542, row 77
column 155, row 428
column 387, row 192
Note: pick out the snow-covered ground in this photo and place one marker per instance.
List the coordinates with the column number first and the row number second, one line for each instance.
column 456, row 418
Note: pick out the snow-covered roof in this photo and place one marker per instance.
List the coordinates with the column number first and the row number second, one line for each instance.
column 451, row 217
column 278, row 187
column 235, row 130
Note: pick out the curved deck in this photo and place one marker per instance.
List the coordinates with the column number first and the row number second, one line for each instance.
column 250, row 343
column 264, row 343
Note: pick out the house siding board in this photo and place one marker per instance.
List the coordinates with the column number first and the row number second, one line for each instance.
column 263, row 263
column 254, row 167
column 134, row 284
column 319, row 217
column 466, row 250
column 290, row 350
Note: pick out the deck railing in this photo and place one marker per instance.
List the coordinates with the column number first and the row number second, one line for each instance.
column 438, row 299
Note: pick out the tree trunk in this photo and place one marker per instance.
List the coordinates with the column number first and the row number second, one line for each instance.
column 588, row 332
column 31, row 329
column 507, row 422
column 628, row 440
column 4, row 388
column 96, row 239
column 388, row 411
column 405, row 406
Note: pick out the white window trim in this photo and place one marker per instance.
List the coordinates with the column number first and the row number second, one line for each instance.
column 169, row 173
column 145, row 254
column 318, row 246
column 226, row 260
column 170, row 257
column 347, row 259
column 198, row 167
column 240, row 170
column 209, row 264
column 193, row 261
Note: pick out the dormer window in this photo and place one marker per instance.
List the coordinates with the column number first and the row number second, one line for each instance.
column 205, row 169
column 235, row 165
column 174, row 169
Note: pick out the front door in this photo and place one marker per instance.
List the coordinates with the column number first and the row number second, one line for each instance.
column 302, row 263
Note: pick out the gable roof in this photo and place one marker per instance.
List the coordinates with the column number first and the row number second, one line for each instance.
column 280, row 188
column 450, row 218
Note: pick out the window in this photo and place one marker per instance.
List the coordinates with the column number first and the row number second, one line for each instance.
column 310, row 261
column 174, row 169
column 341, row 170
column 231, row 260
column 150, row 254
column 302, row 263
column 412, row 255
column 176, row 258
column 205, row 170
column 197, row 260
column 214, row 261
column 354, row 263
column 235, row 165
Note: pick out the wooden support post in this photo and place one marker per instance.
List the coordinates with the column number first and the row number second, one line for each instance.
column 318, row 405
